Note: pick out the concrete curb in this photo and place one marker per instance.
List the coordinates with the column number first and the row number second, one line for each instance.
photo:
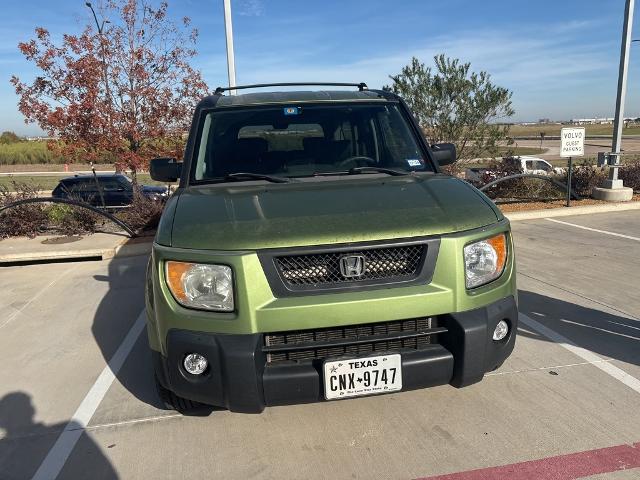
column 134, row 250
column 119, row 251
column 566, row 212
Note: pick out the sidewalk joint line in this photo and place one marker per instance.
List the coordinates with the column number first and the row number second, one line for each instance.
column 38, row 294
column 527, row 370
column 128, row 422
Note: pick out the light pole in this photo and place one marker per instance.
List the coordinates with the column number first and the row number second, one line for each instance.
column 613, row 189
column 231, row 61
column 100, row 27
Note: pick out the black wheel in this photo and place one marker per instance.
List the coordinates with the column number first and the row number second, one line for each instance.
column 497, row 367
column 182, row 405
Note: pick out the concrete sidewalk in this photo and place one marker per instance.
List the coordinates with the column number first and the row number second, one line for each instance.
column 98, row 246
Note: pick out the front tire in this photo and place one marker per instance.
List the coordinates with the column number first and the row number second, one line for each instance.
column 181, row 405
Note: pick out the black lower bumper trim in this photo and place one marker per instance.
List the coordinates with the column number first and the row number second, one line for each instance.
column 470, row 339
column 239, row 378
column 286, row 383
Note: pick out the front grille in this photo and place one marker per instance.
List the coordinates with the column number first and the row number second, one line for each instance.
column 322, row 269
column 350, row 340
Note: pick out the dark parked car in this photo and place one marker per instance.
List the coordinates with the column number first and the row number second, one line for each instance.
column 117, row 189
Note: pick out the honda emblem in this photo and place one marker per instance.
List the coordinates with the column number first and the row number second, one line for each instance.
column 352, row 266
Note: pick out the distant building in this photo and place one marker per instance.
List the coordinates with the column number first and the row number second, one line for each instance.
column 597, row 120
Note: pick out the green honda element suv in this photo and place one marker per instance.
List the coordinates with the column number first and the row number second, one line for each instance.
column 314, row 250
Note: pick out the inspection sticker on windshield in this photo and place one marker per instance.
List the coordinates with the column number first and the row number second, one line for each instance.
column 414, row 162
column 362, row 376
column 292, row 110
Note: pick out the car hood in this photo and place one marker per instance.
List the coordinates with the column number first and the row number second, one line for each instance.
column 318, row 211
column 153, row 189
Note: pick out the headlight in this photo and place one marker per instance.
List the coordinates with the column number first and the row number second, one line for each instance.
column 199, row 285
column 484, row 261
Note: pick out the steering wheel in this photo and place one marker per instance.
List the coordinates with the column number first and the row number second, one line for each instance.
column 357, row 159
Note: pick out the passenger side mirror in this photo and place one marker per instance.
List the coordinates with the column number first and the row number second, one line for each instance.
column 166, row 170
column 444, row 153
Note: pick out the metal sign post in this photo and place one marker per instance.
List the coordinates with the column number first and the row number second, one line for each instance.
column 231, row 61
column 618, row 123
column 571, row 144
column 569, row 181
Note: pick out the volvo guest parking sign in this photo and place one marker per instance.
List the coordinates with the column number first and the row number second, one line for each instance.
column 572, row 142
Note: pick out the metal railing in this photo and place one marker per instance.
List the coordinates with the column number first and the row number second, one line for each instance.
column 565, row 187
column 74, row 203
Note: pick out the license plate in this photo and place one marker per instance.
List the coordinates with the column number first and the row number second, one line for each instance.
column 362, row 376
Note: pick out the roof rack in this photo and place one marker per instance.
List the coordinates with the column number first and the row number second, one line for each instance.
column 361, row 86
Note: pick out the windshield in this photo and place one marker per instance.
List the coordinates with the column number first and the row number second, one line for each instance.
column 296, row 141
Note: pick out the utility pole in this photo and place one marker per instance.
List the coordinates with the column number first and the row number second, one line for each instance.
column 613, row 189
column 231, row 61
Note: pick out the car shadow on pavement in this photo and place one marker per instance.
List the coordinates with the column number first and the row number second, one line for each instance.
column 24, row 444
column 116, row 314
column 606, row 334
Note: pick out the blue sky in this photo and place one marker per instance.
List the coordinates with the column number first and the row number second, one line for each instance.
column 560, row 58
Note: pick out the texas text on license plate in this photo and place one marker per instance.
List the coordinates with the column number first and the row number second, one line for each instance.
column 362, row 376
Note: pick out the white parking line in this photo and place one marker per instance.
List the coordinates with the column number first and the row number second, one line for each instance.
column 637, row 239
column 539, row 369
column 610, row 332
column 624, row 325
column 57, row 456
column 608, row 368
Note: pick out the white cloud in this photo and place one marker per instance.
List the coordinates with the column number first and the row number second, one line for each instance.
column 539, row 64
column 251, row 8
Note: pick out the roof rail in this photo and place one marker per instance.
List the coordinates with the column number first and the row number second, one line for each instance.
column 361, row 86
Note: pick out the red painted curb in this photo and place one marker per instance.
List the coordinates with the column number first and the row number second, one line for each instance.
column 562, row 467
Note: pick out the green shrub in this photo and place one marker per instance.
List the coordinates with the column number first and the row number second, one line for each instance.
column 143, row 213
column 61, row 219
column 630, row 175
column 9, row 137
column 515, row 188
column 57, row 212
column 24, row 220
column 584, row 178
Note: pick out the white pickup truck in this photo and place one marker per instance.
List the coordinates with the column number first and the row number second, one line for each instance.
column 524, row 164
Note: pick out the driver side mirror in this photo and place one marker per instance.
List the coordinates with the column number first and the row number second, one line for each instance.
column 444, row 153
column 166, row 170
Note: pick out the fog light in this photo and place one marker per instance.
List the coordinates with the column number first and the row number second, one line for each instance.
column 195, row 364
column 500, row 332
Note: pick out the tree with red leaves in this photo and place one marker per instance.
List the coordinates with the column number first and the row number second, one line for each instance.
column 125, row 92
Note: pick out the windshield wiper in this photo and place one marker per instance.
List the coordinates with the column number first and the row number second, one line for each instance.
column 388, row 171
column 239, row 176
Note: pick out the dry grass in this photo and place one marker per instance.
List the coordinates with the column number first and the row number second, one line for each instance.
column 553, row 129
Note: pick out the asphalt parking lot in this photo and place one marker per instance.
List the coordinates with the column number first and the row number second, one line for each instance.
column 77, row 398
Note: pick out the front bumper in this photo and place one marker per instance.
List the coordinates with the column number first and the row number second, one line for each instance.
column 240, row 379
